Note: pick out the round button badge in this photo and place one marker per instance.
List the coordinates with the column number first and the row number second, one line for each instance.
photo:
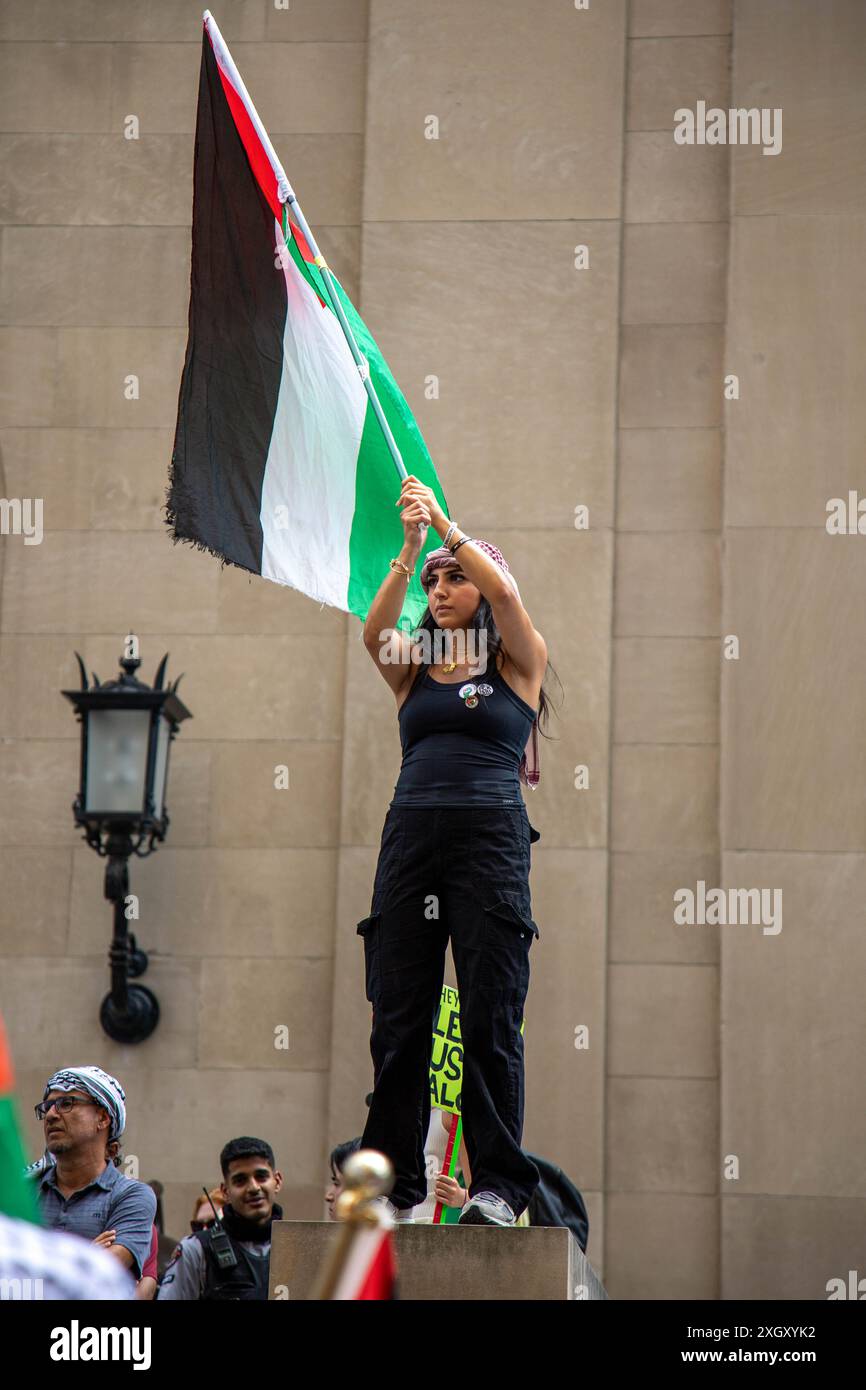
column 467, row 690
column 471, row 701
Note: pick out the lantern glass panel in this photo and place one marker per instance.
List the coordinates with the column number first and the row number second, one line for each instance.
column 117, row 760
column 162, row 744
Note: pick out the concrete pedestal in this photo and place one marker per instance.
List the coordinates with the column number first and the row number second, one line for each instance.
column 448, row 1262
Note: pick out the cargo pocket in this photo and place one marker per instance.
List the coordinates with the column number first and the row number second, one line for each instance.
column 368, row 928
column 508, row 934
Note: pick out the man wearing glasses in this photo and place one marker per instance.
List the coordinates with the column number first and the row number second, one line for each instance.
column 83, row 1110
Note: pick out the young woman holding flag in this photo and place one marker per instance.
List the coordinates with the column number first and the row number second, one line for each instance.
column 454, row 860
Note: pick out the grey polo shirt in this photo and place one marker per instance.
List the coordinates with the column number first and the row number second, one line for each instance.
column 110, row 1202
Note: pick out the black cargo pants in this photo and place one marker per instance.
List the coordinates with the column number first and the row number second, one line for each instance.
column 463, row 872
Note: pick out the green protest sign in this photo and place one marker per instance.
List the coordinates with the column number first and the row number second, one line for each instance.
column 446, row 1062
column 446, row 1082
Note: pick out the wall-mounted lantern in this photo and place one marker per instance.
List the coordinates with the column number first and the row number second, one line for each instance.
column 127, row 729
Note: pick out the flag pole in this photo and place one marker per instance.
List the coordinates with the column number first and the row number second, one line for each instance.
column 452, row 1153
column 287, row 195
column 360, row 361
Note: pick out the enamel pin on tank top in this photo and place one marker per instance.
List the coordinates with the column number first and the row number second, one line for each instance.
column 470, row 693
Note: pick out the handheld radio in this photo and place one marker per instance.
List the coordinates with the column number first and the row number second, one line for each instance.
column 219, row 1241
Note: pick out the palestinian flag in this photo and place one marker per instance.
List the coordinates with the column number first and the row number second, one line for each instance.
column 17, row 1194
column 280, row 465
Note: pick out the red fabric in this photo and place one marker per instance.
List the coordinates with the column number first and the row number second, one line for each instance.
column 303, row 244
column 380, row 1277
column 149, row 1271
column 256, row 153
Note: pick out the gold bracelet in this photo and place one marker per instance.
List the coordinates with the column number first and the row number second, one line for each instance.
column 400, row 568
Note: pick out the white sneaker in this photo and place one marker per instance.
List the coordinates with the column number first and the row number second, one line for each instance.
column 398, row 1213
column 486, row 1209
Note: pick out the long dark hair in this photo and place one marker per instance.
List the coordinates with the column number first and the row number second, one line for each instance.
column 483, row 620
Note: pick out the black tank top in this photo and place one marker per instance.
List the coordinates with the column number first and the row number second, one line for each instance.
column 459, row 753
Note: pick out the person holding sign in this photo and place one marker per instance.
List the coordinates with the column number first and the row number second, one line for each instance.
column 447, row 1192
column 454, row 859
